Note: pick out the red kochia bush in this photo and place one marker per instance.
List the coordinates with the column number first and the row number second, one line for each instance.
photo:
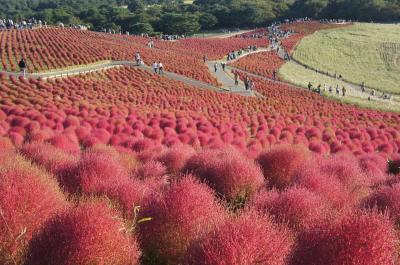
column 356, row 239
column 97, row 170
column 228, row 172
column 89, row 233
column 184, row 213
column 346, row 168
column 176, row 157
column 298, row 207
column 280, row 163
column 150, row 169
column 55, row 160
column 329, row 187
column 375, row 166
column 28, row 196
column 385, row 199
column 6, row 144
column 245, row 240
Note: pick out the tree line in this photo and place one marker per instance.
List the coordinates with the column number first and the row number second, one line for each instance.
column 188, row 17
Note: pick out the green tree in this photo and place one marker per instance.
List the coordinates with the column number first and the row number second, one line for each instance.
column 174, row 23
column 139, row 28
column 207, row 21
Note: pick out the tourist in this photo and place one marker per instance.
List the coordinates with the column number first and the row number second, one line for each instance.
column 205, row 58
column 330, row 89
column 337, row 90
column 246, row 83
column 274, row 74
column 155, row 67
column 236, row 79
column 22, row 66
column 215, row 67
column 309, row 86
column 223, row 64
column 363, row 87
column 319, row 89
column 160, row 68
column 137, row 58
column 250, row 85
column 343, row 91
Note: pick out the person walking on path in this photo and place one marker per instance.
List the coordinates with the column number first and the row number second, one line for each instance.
column 160, row 68
column 363, row 87
column 155, row 67
column 343, row 91
column 246, row 83
column 337, row 89
column 309, row 86
column 236, row 79
column 319, row 89
column 137, row 58
column 215, row 67
column 223, row 66
column 22, row 66
column 250, row 84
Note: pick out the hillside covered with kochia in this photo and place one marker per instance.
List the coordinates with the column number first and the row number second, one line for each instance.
column 125, row 166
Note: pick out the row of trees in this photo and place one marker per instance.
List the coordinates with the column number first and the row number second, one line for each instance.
column 179, row 17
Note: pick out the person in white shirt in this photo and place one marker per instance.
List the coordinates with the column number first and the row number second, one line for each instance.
column 155, row 67
column 160, row 68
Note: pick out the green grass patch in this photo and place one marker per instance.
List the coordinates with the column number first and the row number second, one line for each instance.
column 299, row 76
column 363, row 52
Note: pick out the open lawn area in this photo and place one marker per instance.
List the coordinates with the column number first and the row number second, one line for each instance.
column 300, row 76
column 364, row 52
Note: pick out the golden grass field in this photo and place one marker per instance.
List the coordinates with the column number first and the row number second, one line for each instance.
column 363, row 52
column 300, row 76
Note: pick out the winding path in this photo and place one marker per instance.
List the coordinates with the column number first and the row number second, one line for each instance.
column 78, row 70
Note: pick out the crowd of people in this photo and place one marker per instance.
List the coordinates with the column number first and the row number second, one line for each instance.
column 157, row 66
column 22, row 24
column 172, row 37
column 233, row 55
column 319, row 90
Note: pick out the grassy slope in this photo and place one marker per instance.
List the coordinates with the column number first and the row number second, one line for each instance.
column 363, row 52
column 299, row 76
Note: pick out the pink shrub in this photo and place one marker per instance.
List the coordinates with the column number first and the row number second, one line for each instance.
column 375, row 166
column 227, row 171
column 346, row 168
column 150, row 169
column 298, row 207
column 6, row 144
column 184, row 213
column 328, row 187
column 356, row 239
column 245, row 240
column 86, row 234
column 385, row 199
column 176, row 157
column 96, row 171
column 66, row 142
column 152, row 153
column 28, row 197
column 55, row 160
column 280, row 163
